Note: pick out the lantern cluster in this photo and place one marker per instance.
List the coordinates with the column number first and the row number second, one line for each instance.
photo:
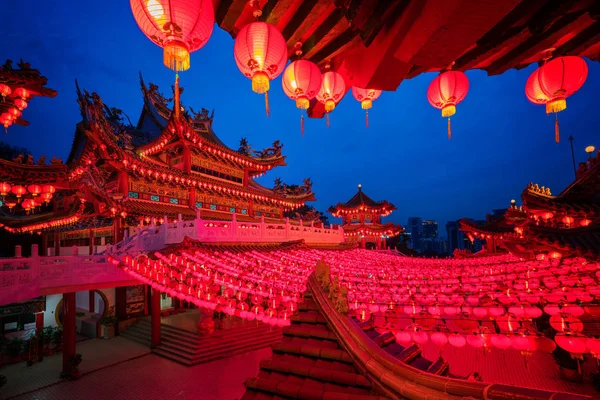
column 28, row 197
column 19, row 102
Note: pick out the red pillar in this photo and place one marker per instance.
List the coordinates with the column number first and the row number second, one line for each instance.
column 155, row 317
column 44, row 244
column 39, row 321
column 92, row 301
column 91, row 241
column 56, row 244
column 363, row 243
column 69, row 312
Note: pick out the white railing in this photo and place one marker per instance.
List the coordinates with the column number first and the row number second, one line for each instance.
column 25, row 278
column 154, row 238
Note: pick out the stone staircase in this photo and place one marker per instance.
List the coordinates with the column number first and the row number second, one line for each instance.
column 309, row 364
column 191, row 348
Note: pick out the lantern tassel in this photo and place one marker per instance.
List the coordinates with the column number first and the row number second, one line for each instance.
column 327, row 120
column 267, row 108
column 449, row 129
column 367, row 119
column 556, row 130
column 302, row 124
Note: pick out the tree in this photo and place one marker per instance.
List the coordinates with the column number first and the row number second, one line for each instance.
column 244, row 147
column 308, row 213
column 9, row 152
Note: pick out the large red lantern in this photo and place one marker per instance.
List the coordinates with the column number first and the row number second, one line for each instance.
column 5, row 90
column 22, row 93
column 446, row 91
column 21, row 104
column 4, row 188
column 366, row 98
column 180, row 27
column 301, row 81
column 574, row 344
column 554, row 81
column 18, row 191
column 260, row 53
column 34, row 189
column 332, row 90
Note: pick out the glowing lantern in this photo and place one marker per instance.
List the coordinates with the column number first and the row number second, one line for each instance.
column 34, row 189
column 403, row 337
column 47, row 197
column 585, row 222
column 331, row 92
column 457, row 340
column 446, row 91
column 22, row 93
column 21, row 104
column 476, row 341
column 420, row 337
column 260, row 53
column 5, row 90
column 568, row 220
column 555, row 255
column 366, row 98
column 554, row 81
column 439, row 338
column 593, row 346
column 14, row 113
column 574, row 344
column 301, row 81
column 179, row 27
column 523, row 343
column 4, row 188
column 18, row 190
column 502, row 342
column 10, row 204
column 48, row 189
column 566, row 323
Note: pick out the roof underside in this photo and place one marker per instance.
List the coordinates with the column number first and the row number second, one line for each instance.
column 377, row 44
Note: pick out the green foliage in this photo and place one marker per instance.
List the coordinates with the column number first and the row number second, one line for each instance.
column 15, row 347
column 9, row 152
column 48, row 334
column 57, row 336
column 75, row 361
column 108, row 320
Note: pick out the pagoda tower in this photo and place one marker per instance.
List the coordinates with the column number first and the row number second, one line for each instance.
column 362, row 223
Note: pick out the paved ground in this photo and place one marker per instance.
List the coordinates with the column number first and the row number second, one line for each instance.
column 152, row 377
column 97, row 354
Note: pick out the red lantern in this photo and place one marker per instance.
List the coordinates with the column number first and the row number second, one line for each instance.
column 4, row 188
column 574, row 344
column 585, row 222
column 5, row 90
column 179, row 27
column 554, row 81
column 593, row 346
column 446, row 91
column 14, row 113
column 555, row 255
column 48, row 189
column 502, row 342
column 568, row 220
column 47, row 197
column 332, row 90
column 18, row 190
column 366, row 97
column 34, row 190
column 457, row 340
column 21, row 104
column 22, row 93
column 301, row 81
column 260, row 53
column 566, row 323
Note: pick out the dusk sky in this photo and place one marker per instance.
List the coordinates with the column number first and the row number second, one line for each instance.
column 500, row 141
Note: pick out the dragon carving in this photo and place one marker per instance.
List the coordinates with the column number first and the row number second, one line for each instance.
column 201, row 116
column 271, row 152
column 292, row 190
column 153, row 90
column 245, row 149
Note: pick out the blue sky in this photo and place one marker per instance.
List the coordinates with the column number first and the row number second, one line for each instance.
column 500, row 140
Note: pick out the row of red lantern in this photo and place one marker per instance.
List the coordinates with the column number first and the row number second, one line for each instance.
column 58, row 223
column 19, row 191
column 20, row 103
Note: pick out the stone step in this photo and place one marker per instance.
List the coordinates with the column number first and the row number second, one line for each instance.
column 133, row 337
column 212, row 357
column 225, row 347
column 242, row 329
column 207, row 341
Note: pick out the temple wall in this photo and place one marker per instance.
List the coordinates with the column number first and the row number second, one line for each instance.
column 51, row 303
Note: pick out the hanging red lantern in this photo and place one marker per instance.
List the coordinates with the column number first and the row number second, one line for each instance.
column 555, row 255
column 564, row 322
column 4, row 188
column 585, row 222
column 553, row 82
column 447, row 90
column 22, row 93
column 366, row 98
column 179, row 27
column 301, row 81
column 5, row 90
column 21, row 104
column 48, row 189
column 18, row 191
column 260, row 53
column 34, row 189
column 14, row 113
column 331, row 92
column 568, row 220
column 574, row 344
column 47, row 197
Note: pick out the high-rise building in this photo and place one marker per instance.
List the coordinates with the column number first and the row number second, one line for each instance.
column 430, row 229
column 456, row 239
column 415, row 228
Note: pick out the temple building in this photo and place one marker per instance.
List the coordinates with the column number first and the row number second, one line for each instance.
column 118, row 175
column 547, row 226
column 362, row 222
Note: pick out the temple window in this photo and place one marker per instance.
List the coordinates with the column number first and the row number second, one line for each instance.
column 173, row 201
column 134, row 195
column 244, row 211
column 155, row 198
column 198, row 204
column 213, row 207
column 258, row 213
column 231, row 209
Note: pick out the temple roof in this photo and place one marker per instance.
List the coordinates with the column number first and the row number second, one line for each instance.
column 361, row 200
